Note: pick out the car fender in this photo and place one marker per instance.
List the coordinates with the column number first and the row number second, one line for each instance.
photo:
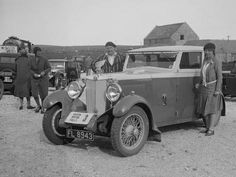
column 127, row 102
column 58, row 96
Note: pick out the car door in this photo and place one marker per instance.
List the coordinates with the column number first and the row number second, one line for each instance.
column 188, row 77
column 164, row 98
column 164, row 89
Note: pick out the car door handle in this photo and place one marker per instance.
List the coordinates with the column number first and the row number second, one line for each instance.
column 164, row 100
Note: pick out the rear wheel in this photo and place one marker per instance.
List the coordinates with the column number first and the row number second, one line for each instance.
column 1, row 88
column 129, row 132
column 54, row 133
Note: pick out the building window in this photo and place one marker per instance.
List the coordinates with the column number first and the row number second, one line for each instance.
column 181, row 37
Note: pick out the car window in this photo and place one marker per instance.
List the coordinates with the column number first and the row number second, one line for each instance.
column 191, row 60
column 7, row 60
column 162, row 60
column 57, row 65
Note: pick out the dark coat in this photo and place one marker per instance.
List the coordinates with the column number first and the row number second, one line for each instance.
column 39, row 85
column 107, row 67
column 22, row 81
column 41, row 65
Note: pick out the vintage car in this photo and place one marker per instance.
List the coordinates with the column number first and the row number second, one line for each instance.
column 9, row 51
column 157, row 88
column 57, row 72
column 229, row 81
column 62, row 72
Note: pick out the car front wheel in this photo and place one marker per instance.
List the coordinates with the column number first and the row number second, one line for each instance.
column 129, row 132
column 54, row 133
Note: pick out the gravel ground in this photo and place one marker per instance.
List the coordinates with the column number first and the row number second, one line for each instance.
column 183, row 152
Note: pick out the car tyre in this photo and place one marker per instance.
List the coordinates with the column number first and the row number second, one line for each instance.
column 1, row 89
column 52, row 131
column 129, row 132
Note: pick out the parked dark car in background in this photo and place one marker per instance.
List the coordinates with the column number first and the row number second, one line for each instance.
column 8, row 54
column 63, row 71
column 229, row 80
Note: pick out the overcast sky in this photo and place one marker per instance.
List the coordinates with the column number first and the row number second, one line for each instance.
column 94, row 22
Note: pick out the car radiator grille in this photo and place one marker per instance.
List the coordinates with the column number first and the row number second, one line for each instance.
column 95, row 96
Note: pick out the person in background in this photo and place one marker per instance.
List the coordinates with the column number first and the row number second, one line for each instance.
column 110, row 62
column 210, row 103
column 22, row 82
column 40, row 68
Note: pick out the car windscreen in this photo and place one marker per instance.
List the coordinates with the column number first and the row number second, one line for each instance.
column 10, row 60
column 161, row 60
column 57, row 65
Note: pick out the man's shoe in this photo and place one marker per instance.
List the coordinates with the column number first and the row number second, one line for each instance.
column 37, row 109
column 21, row 107
column 209, row 133
column 30, row 107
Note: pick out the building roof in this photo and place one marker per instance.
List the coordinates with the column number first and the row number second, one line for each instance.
column 174, row 48
column 165, row 31
column 222, row 46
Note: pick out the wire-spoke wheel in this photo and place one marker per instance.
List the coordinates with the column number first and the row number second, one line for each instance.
column 129, row 133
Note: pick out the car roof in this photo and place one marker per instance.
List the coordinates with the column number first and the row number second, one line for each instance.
column 62, row 60
column 175, row 48
column 9, row 55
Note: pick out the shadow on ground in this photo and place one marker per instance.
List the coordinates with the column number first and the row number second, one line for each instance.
column 104, row 143
column 186, row 126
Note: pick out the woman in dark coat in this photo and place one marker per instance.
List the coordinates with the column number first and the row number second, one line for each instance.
column 22, row 81
column 210, row 96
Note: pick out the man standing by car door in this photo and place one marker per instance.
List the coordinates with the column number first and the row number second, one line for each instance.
column 110, row 62
column 40, row 68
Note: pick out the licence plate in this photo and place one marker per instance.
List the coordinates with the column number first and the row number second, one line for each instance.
column 79, row 118
column 80, row 134
column 7, row 79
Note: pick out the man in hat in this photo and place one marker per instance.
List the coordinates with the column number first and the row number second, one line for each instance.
column 40, row 68
column 22, row 81
column 210, row 97
column 110, row 62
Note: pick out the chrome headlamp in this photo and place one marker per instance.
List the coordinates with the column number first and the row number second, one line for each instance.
column 113, row 92
column 75, row 89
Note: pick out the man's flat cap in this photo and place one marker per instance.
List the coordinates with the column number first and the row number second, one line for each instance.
column 110, row 44
column 37, row 49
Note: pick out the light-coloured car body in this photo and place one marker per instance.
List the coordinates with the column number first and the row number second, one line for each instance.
column 157, row 83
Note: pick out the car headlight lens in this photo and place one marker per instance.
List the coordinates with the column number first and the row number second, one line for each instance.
column 75, row 89
column 113, row 92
